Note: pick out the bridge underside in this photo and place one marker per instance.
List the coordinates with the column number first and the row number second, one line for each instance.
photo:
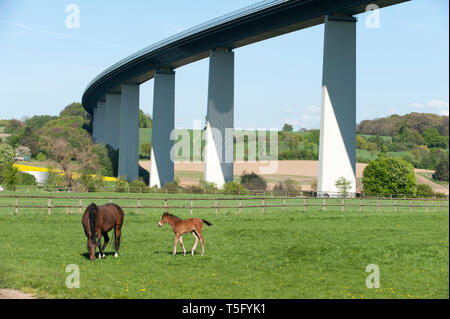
column 113, row 96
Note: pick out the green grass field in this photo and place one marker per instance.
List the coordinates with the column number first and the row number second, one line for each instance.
column 276, row 254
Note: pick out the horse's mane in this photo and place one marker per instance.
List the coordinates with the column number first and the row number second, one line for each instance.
column 173, row 216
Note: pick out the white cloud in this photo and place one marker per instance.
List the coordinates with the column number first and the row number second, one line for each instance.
column 392, row 110
column 303, row 117
column 438, row 104
column 435, row 106
column 416, row 105
column 312, row 109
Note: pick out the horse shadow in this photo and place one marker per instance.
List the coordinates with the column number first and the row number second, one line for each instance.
column 87, row 256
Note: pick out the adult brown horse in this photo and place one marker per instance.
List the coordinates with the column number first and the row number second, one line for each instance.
column 97, row 222
column 183, row 226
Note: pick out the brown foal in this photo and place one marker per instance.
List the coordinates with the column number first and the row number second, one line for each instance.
column 183, row 226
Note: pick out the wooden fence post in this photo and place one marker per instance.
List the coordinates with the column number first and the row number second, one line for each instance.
column 192, row 205
column 240, row 205
column 262, row 206
column 304, row 204
column 49, row 205
column 17, row 204
column 395, row 205
column 139, row 206
column 165, row 204
column 342, row 204
column 360, row 204
column 81, row 204
column 217, row 209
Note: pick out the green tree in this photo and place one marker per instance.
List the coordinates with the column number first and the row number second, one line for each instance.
column 7, row 154
column 313, row 136
column 287, row 128
column 146, row 149
column 10, row 177
column 343, row 185
column 433, row 139
column 361, row 142
column 145, row 120
column 74, row 110
column 253, row 181
column 389, row 175
column 441, row 173
column 38, row 121
column 234, row 188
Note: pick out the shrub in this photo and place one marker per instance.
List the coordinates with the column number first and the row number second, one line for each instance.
column 291, row 184
column 90, row 183
column 26, row 179
column 253, row 181
column 7, row 154
column 171, row 187
column 41, row 157
column 121, row 186
column 424, row 190
column 138, row 186
column 234, row 188
column 343, row 185
column 314, row 184
column 389, row 175
column 207, row 187
column 441, row 173
column 54, row 179
column 104, row 161
column 11, row 177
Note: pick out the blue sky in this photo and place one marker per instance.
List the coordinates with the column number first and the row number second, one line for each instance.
column 401, row 67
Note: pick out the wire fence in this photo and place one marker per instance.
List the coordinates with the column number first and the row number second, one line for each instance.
column 205, row 191
column 78, row 203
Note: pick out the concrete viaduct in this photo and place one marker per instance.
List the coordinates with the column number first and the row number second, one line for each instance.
column 113, row 96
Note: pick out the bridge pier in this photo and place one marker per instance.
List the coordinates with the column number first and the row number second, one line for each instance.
column 112, row 120
column 98, row 129
column 220, row 118
column 163, row 123
column 337, row 149
column 129, row 132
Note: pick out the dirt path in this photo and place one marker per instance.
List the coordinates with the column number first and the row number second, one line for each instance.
column 14, row 294
column 426, row 181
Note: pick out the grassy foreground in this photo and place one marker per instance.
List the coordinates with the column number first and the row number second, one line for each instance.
column 275, row 254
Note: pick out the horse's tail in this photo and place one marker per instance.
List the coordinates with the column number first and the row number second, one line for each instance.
column 206, row 222
column 92, row 217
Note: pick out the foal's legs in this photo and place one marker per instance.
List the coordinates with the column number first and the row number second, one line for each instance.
column 117, row 233
column 202, row 241
column 182, row 246
column 175, row 244
column 196, row 242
